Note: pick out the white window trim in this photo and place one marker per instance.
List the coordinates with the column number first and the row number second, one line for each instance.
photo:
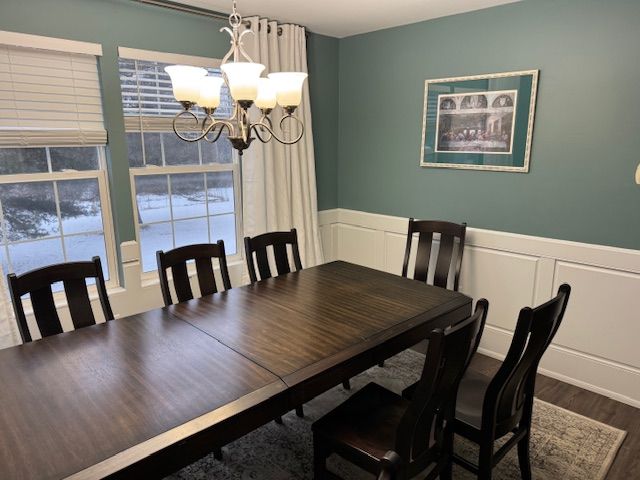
column 105, row 207
column 17, row 39
column 165, row 57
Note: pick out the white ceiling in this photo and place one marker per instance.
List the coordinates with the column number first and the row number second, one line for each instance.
column 342, row 18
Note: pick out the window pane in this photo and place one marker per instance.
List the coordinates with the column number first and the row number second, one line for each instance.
column 187, row 195
column 220, row 192
column 22, row 256
column 179, row 152
column 223, row 227
column 152, row 149
column 152, row 196
column 29, row 210
column 191, row 231
column 23, row 160
column 86, row 246
column 80, row 206
column 153, row 238
column 218, row 152
column 134, row 148
column 77, row 158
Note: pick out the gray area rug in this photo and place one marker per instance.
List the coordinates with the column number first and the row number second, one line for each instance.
column 564, row 445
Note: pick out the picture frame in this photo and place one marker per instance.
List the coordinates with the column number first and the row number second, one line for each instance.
column 479, row 122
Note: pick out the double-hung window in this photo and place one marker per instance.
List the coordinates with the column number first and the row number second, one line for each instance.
column 54, row 203
column 184, row 193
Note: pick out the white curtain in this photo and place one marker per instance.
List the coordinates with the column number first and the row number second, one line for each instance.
column 8, row 329
column 279, row 182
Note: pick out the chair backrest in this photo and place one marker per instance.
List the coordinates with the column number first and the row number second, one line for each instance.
column 278, row 241
column 202, row 255
column 37, row 283
column 390, row 465
column 513, row 385
column 449, row 232
column 432, row 406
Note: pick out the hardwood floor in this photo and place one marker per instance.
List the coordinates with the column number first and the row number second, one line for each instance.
column 627, row 463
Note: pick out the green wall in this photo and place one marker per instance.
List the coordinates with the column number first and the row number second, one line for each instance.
column 586, row 143
column 114, row 23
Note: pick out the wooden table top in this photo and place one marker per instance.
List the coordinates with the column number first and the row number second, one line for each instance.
column 72, row 400
column 293, row 321
column 103, row 397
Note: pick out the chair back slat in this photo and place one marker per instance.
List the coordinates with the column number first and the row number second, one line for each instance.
column 202, row 255
column 512, row 386
column 423, row 255
column 278, row 242
column 282, row 258
column 79, row 303
column 37, row 284
column 206, row 278
column 443, row 263
column 452, row 238
column 45, row 312
column 432, row 407
column 181, row 283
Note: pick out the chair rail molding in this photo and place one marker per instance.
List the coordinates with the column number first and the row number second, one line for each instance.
column 595, row 347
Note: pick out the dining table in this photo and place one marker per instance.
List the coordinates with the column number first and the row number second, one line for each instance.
column 145, row 395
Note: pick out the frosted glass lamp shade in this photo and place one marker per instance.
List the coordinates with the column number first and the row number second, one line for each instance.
column 638, row 175
column 266, row 98
column 210, row 92
column 242, row 78
column 288, row 87
column 186, row 82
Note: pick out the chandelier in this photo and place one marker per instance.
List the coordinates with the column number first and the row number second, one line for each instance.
column 193, row 86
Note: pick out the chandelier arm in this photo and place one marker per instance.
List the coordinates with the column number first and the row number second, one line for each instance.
column 261, row 124
column 218, row 123
column 256, row 127
column 205, row 130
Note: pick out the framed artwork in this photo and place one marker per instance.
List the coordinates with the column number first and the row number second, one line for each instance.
column 480, row 122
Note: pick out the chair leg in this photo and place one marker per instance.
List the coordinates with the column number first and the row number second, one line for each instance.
column 381, row 364
column 300, row 411
column 320, row 455
column 485, row 460
column 217, row 454
column 278, row 420
column 524, row 458
column 346, row 384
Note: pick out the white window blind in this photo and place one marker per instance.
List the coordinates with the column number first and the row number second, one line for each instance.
column 49, row 98
column 147, row 96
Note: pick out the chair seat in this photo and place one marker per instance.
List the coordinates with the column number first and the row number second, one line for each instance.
column 471, row 397
column 366, row 422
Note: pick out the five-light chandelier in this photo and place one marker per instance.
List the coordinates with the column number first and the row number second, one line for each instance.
column 193, row 86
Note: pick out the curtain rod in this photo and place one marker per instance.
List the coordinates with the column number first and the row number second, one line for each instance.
column 199, row 11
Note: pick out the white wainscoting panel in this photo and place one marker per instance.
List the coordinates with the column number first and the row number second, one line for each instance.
column 596, row 347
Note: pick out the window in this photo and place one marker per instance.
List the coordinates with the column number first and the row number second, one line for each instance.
column 184, row 192
column 54, row 204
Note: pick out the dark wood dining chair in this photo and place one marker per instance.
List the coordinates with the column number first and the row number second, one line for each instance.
column 375, row 420
column 390, row 464
column 451, row 240
column 256, row 250
column 38, row 285
column 202, row 255
column 257, row 254
column 489, row 408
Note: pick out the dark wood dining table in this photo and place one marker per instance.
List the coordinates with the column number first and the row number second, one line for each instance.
column 143, row 396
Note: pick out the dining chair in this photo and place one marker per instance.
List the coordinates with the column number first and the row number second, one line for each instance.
column 256, row 250
column 375, row 420
column 257, row 253
column 390, row 464
column 491, row 407
column 451, row 240
column 38, row 285
column 202, row 255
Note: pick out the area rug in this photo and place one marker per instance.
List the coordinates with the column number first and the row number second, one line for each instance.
column 564, row 445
